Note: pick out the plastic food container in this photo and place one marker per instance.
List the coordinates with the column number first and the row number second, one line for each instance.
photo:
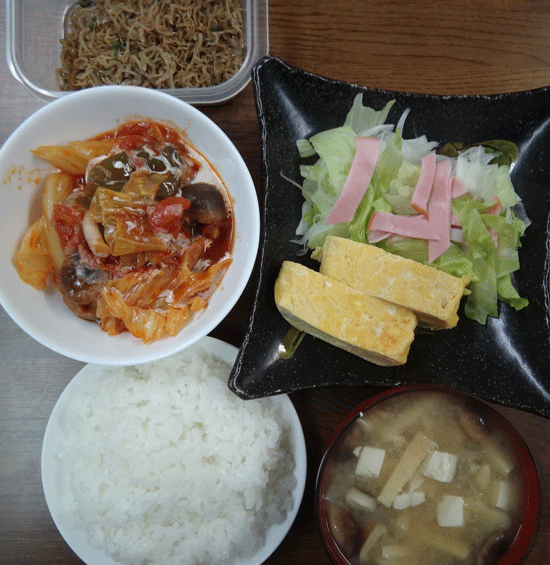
column 35, row 27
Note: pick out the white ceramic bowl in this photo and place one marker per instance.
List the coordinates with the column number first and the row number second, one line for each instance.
column 54, row 475
column 79, row 116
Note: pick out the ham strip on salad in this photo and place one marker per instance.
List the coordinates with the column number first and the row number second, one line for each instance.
column 423, row 190
column 439, row 209
column 417, row 227
column 458, row 188
column 357, row 181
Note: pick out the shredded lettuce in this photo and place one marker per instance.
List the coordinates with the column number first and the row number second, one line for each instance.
column 488, row 253
column 362, row 118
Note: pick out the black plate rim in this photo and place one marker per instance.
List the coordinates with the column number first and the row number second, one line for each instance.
column 235, row 381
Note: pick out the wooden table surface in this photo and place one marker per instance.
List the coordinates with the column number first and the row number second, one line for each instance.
column 448, row 47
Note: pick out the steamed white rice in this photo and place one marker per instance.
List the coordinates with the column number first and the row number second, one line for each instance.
column 166, row 466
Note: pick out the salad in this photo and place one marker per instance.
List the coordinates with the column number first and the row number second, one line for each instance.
column 451, row 207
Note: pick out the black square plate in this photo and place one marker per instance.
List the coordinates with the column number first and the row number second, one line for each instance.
column 508, row 359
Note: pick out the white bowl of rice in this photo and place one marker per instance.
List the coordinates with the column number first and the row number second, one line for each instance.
column 78, row 117
column 161, row 464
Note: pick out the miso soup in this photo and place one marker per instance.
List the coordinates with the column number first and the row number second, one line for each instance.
column 422, row 478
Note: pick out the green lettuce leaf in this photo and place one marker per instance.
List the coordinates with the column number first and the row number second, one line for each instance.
column 489, row 253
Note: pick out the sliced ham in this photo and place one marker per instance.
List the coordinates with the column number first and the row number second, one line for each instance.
column 458, row 188
column 496, row 208
column 416, row 227
column 378, row 235
column 357, row 181
column 439, row 210
column 423, row 189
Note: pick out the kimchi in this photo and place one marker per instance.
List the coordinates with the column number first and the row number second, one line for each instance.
column 136, row 230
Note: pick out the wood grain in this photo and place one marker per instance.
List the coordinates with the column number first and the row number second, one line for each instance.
column 448, row 47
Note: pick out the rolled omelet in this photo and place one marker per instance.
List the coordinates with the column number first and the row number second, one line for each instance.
column 373, row 329
column 434, row 296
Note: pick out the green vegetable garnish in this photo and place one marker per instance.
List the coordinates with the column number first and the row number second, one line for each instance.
column 117, row 45
column 505, row 151
column 290, row 343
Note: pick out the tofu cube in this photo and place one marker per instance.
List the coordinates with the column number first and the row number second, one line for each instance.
column 370, row 462
column 450, row 511
column 441, row 466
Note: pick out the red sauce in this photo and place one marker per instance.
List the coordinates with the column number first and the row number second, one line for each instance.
column 223, row 243
column 132, row 135
column 131, row 246
column 136, row 134
column 67, row 221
